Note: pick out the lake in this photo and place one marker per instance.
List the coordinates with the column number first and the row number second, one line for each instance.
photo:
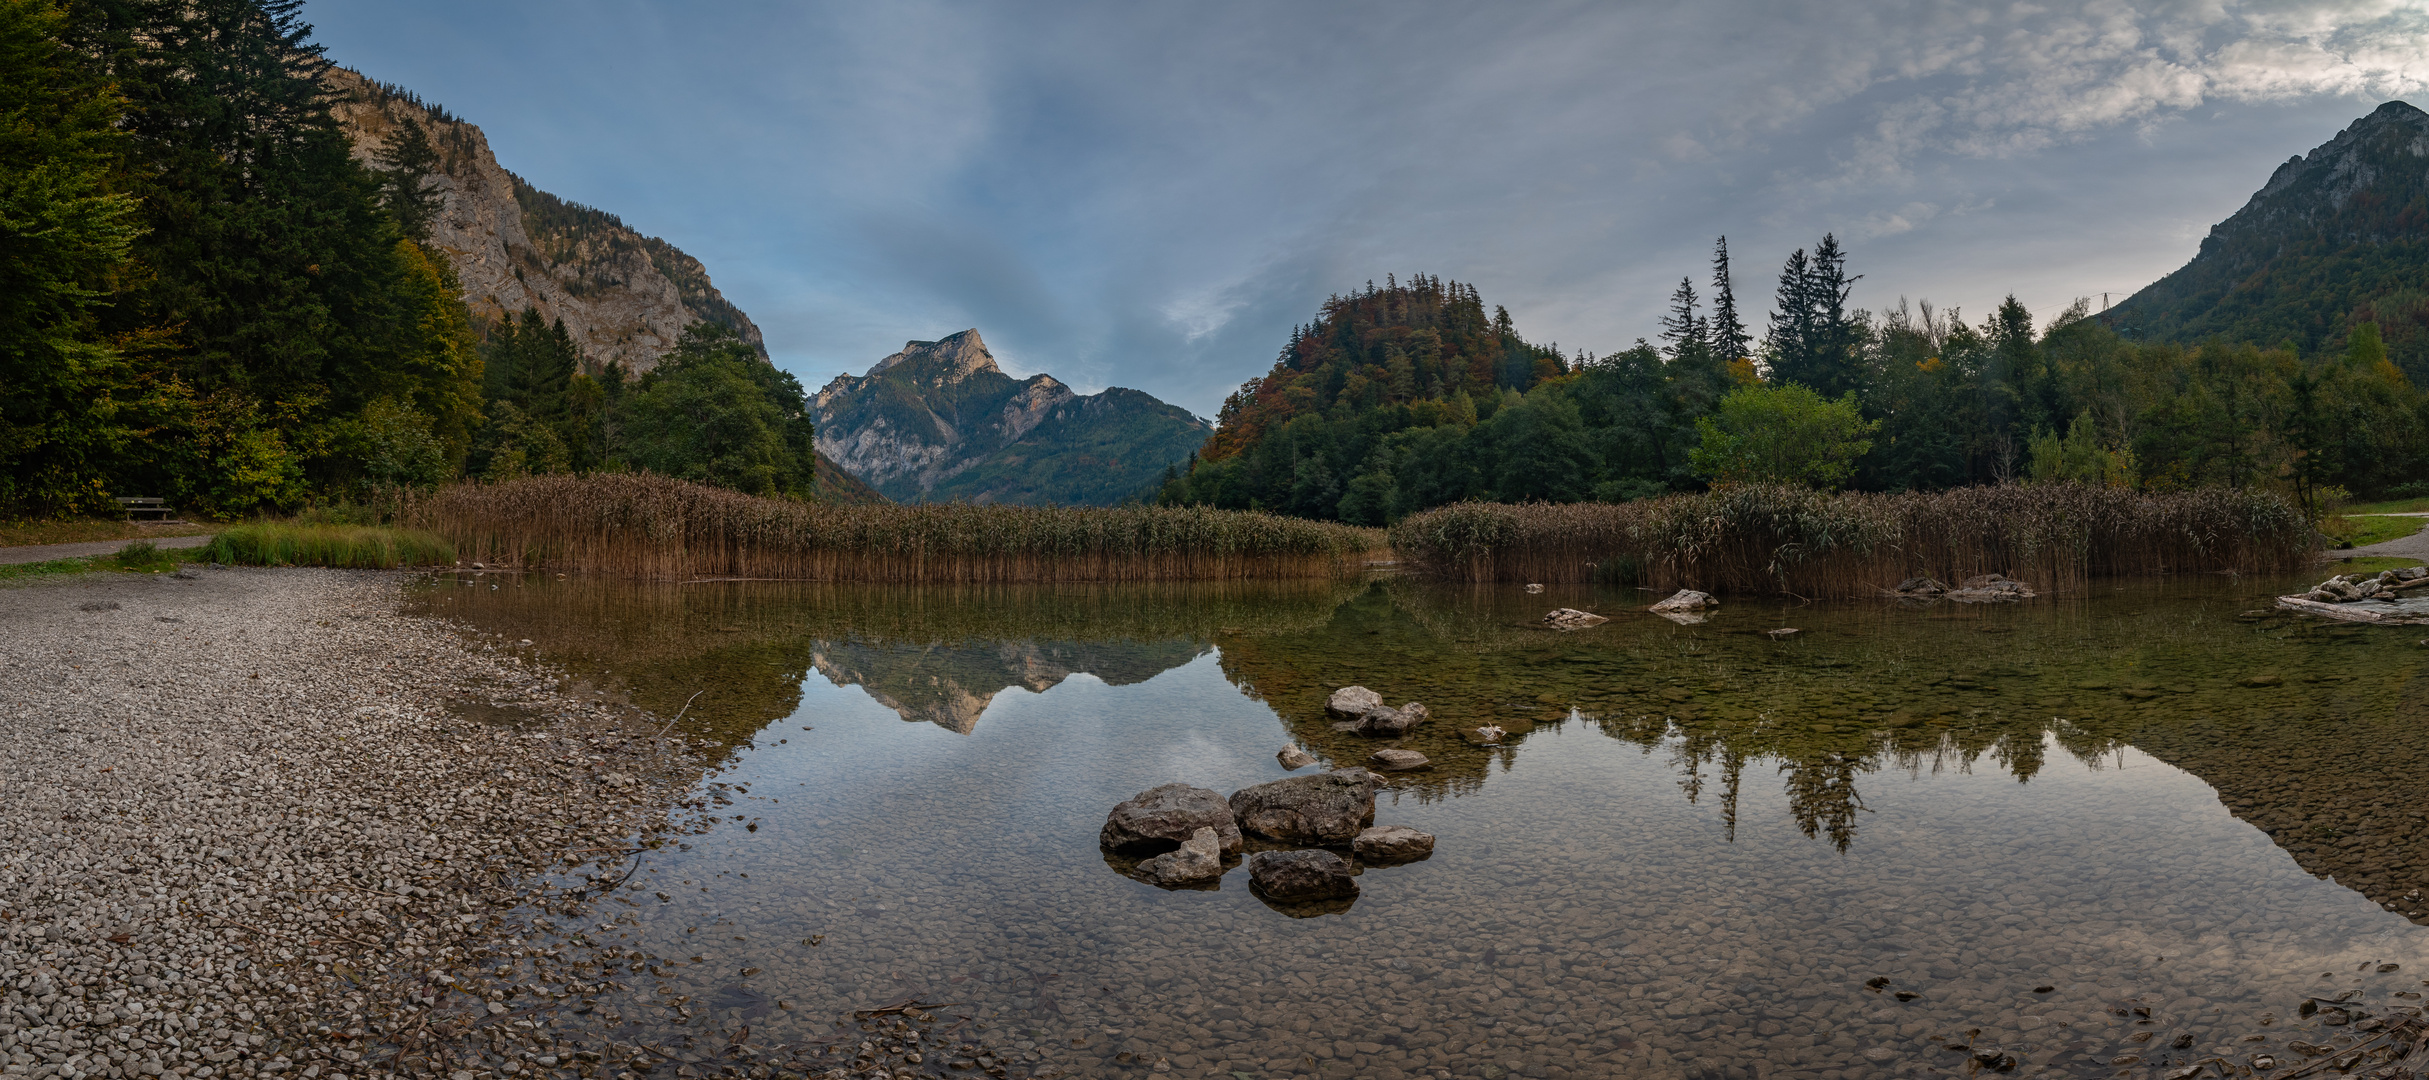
column 2103, row 834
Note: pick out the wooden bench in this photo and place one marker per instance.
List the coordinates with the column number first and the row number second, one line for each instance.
column 158, row 508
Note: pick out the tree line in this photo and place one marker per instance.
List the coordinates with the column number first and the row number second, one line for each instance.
column 1405, row 397
column 204, row 295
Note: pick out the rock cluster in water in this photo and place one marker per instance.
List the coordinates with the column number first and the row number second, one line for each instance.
column 2384, row 585
column 1364, row 708
column 1200, row 829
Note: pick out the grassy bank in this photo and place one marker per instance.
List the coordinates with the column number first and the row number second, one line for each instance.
column 652, row 527
column 1788, row 540
column 361, row 547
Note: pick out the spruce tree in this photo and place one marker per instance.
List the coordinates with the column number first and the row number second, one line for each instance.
column 407, row 163
column 1684, row 327
column 1729, row 338
column 1790, row 340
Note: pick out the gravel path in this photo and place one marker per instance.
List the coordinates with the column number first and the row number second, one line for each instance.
column 34, row 553
column 2415, row 546
column 241, row 833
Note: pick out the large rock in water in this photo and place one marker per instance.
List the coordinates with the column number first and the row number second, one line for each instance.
column 1326, row 809
column 1352, row 702
column 1300, row 876
column 1163, row 818
column 1199, row 858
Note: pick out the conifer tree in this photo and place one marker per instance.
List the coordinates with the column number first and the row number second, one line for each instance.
column 407, row 163
column 1729, row 338
column 1684, row 327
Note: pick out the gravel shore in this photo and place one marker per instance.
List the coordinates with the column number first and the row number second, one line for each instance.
column 242, row 833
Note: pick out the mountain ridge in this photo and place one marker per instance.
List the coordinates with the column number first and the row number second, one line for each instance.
column 2334, row 238
column 940, row 421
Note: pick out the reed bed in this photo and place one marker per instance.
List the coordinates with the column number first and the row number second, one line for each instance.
column 642, row 526
column 1765, row 539
column 360, row 547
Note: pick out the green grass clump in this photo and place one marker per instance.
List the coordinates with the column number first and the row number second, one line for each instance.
column 144, row 557
column 359, row 547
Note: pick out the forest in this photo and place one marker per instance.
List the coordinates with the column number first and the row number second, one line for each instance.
column 1409, row 395
column 205, row 297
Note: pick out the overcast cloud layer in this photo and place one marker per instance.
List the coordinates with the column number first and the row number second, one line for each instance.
column 1151, row 195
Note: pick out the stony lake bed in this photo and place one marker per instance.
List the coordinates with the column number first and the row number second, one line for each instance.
column 2139, row 829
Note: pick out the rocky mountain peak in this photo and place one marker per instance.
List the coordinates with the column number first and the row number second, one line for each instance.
column 2333, row 234
column 949, row 359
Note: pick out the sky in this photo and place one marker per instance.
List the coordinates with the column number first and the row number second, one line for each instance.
column 1153, row 195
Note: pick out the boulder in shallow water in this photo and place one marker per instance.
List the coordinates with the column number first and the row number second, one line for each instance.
column 1393, row 844
column 1294, row 758
column 1300, row 876
column 1397, row 760
column 1571, row 619
column 1380, row 722
column 1199, row 858
column 1162, row 818
column 1325, row 809
column 1685, row 600
column 1487, row 735
column 1351, row 702
column 1534, row 588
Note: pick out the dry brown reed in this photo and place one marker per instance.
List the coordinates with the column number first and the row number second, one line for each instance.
column 1765, row 539
column 652, row 527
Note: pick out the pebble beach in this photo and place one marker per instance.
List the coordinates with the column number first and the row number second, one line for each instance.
column 243, row 834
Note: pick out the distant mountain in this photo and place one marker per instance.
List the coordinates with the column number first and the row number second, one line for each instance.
column 624, row 296
column 2336, row 237
column 939, row 422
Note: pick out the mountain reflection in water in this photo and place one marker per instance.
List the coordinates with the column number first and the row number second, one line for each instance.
column 1694, row 845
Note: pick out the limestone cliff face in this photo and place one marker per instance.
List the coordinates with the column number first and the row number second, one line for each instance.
column 939, row 421
column 624, row 296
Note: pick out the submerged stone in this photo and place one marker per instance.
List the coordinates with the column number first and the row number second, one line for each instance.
column 1301, row 875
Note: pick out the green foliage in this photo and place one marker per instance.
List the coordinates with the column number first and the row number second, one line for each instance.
column 2078, row 457
column 362, row 547
column 717, row 412
column 67, row 227
column 203, row 296
column 1782, row 435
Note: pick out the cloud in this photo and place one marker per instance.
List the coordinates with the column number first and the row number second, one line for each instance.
column 1153, row 195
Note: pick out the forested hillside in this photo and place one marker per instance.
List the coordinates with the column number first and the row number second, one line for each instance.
column 2335, row 239
column 210, row 294
column 1407, row 396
